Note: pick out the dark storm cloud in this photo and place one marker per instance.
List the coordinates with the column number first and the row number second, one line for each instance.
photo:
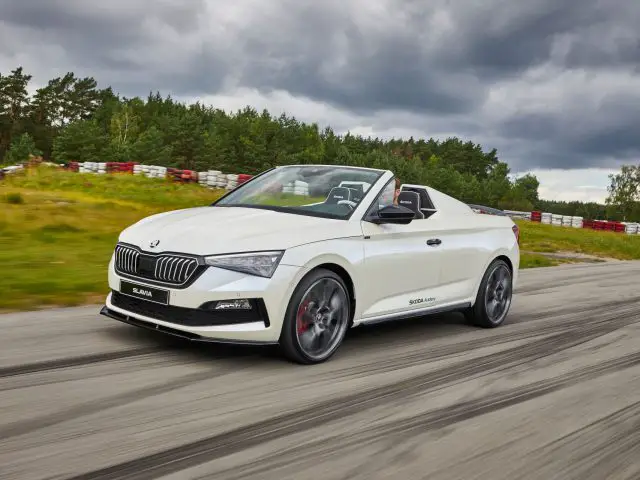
column 439, row 60
column 325, row 53
column 503, row 38
column 398, row 64
column 393, row 77
column 111, row 40
column 100, row 18
column 604, row 136
column 614, row 129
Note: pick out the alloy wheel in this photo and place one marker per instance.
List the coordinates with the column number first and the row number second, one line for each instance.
column 497, row 298
column 322, row 318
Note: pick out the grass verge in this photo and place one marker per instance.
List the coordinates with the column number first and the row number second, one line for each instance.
column 532, row 260
column 56, row 240
column 58, row 230
column 539, row 238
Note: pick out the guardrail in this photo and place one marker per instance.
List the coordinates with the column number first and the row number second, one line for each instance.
column 210, row 178
column 630, row 228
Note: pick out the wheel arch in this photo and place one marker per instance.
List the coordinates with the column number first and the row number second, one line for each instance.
column 501, row 254
column 338, row 265
column 346, row 278
column 506, row 259
column 342, row 256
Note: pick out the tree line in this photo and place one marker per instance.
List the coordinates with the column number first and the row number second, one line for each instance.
column 72, row 119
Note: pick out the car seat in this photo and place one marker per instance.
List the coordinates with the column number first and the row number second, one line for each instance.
column 411, row 200
column 338, row 194
column 356, row 194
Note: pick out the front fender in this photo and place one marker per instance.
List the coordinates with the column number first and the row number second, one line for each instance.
column 347, row 253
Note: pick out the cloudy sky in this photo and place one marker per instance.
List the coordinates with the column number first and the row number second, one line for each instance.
column 554, row 85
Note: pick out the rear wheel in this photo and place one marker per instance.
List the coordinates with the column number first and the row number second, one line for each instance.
column 317, row 318
column 494, row 296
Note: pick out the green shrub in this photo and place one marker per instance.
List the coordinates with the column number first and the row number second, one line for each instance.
column 14, row 198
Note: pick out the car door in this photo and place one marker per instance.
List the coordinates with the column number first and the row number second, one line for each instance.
column 462, row 252
column 401, row 269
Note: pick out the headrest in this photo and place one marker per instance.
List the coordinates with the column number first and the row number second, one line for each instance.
column 356, row 194
column 337, row 194
column 410, row 200
column 357, row 187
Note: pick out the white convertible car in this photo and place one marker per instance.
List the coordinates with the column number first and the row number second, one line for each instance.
column 301, row 253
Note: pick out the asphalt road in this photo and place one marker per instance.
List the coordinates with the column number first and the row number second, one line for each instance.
column 553, row 394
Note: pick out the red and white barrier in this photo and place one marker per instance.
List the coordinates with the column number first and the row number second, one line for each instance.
column 580, row 222
column 208, row 179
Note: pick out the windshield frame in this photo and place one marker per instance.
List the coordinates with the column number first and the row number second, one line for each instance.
column 297, row 211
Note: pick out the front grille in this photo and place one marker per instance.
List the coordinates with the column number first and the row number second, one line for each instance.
column 166, row 268
column 127, row 260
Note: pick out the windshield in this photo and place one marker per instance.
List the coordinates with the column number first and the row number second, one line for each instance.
column 324, row 191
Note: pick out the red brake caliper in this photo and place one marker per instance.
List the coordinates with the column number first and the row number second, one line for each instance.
column 300, row 323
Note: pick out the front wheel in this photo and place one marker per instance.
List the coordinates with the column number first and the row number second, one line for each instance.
column 317, row 318
column 494, row 296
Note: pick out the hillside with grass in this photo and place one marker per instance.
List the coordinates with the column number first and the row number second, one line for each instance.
column 58, row 230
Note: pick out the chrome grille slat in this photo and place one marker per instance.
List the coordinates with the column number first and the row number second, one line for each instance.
column 160, row 262
column 163, row 268
column 155, row 269
column 194, row 266
column 179, row 267
column 172, row 267
column 132, row 260
column 126, row 260
column 184, row 270
column 164, row 271
column 178, row 270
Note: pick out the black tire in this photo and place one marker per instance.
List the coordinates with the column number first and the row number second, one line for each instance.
column 291, row 343
column 480, row 314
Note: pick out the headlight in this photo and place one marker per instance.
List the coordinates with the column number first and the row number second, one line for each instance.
column 262, row 264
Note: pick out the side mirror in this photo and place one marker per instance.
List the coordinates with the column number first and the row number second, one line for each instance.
column 394, row 214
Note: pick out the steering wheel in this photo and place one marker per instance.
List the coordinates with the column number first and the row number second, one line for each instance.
column 348, row 203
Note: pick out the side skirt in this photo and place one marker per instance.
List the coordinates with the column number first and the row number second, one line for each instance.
column 423, row 312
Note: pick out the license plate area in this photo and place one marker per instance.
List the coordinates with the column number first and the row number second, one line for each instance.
column 144, row 292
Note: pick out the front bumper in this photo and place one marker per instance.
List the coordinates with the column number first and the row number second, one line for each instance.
column 163, row 327
column 187, row 315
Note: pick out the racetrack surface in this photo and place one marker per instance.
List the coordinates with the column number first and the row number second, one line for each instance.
column 552, row 394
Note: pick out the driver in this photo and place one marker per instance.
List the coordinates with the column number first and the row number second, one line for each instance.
column 389, row 195
column 396, row 193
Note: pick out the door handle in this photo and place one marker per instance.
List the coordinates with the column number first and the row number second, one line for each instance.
column 434, row 242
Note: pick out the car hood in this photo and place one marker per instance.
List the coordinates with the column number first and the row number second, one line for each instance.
column 213, row 230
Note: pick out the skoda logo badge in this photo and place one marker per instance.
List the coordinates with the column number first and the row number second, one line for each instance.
column 154, row 243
